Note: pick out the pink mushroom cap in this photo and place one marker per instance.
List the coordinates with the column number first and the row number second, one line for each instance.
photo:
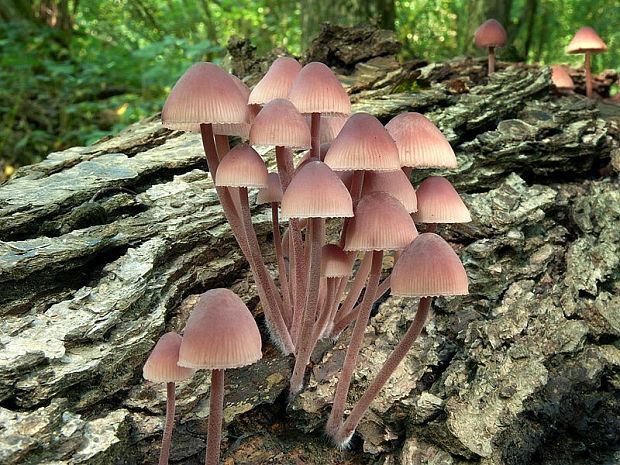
column 279, row 123
column 586, row 40
column 316, row 89
column 490, row 34
column 439, row 202
column 277, row 82
column 161, row 366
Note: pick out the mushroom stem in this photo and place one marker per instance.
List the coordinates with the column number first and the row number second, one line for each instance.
column 305, row 346
column 277, row 240
column 345, row 432
column 273, row 308
column 298, row 274
column 170, row 407
column 326, row 311
column 284, row 161
column 216, row 416
column 491, row 60
column 588, row 75
column 315, row 133
column 334, row 422
column 223, row 145
column 431, row 227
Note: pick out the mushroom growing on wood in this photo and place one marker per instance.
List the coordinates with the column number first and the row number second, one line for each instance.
column 561, row 79
column 220, row 334
column 161, row 367
column 587, row 41
column 490, row 35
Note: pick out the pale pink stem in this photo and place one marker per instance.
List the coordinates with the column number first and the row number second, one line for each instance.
column 389, row 366
column 304, row 350
column 357, row 339
column 407, row 170
column 272, row 310
column 588, row 75
column 284, row 162
column 326, row 311
column 356, row 288
column 216, row 417
column 300, row 277
column 277, row 240
column 168, row 426
column 491, row 60
column 222, row 144
column 315, row 135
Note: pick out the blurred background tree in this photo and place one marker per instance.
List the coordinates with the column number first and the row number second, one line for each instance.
column 73, row 71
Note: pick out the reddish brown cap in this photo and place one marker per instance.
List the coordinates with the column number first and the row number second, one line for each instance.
column 439, row 202
column 561, row 79
column 335, row 262
column 279, row 123
column 204, row 94
column 427, row 268
column 490, row 34
column 316, row 89
column 380, row 223
column 420, row 144
column 273, row 192
column 277, row 82
column 161, row 366
column 363, row 144
column 242, row 167
column 238, row 129
column 220, row 333
column 316, row 192
column 586, row 40
column 395, row 183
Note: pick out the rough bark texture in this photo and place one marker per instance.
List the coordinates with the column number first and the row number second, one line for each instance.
column 524, row 370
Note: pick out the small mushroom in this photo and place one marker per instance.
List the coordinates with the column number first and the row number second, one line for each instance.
column 220, row 334
column 161, row 367
column 490, row 35
column 561, row 79
column 587, row 41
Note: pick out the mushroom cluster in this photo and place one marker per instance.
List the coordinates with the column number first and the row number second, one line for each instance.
column 355, row 177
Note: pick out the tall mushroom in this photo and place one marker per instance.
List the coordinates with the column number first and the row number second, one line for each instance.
column 427, row 268
column 490, row 35
column 161, row 367
column 587, row 41
column 220, row 334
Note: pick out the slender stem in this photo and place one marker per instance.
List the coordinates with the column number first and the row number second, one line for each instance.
column 389, row 366
column 356, row 289
column 326, row 311
column 357, row 339
column 431, row 227
column 491, row 60
column 305, row 346
column 277, row 240
column 223, row 145
column 315, row 136
column 284, row 161
column 588, row 75
column 216, row 416
column 299, row 276
column 165, row 443
column 264, row 282
column 407, row 170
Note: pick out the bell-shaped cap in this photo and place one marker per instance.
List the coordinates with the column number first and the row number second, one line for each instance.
column 277, row 82
column 279, row 123
column 420, row 143
column 220, row 333
column 561, row 79
column 380, row 223
column 439, row 202
column 242, row 167
column 273, row 192
column 395, row 183
column 586, row 40
column 363, row 144
column 238, row 129
column 161, row 366
column 316, row 192
column 335, row 262
column 490, row 34
column 316, row 89
column 204, row 94
column 429, row 268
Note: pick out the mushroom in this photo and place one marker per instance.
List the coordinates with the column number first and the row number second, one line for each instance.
column 241, row 168
column 315, row 91
column 220, row 334
column 276, row 83
column 161, row 367
column 490, row 34
column 427, row 268
column 299, row 201
column 439, row 202
column 587, row 41
column 561, row 79
column 380, row 223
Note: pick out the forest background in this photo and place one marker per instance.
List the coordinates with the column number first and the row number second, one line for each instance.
column 74, row 71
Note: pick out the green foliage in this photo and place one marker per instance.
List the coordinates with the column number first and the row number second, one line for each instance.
column 116, row 62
